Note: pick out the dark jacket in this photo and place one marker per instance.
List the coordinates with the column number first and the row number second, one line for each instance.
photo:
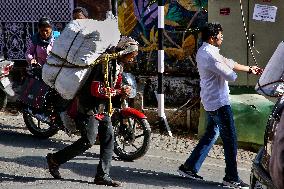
column 94, row 93
column 276, row 165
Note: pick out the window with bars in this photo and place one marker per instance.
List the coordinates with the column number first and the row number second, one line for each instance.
column 18, row 22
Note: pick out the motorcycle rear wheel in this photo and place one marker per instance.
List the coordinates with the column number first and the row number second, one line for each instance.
column 131, row 138
column 38, row 128
column 3, row 99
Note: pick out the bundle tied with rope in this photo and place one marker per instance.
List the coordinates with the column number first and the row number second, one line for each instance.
column 81, row 45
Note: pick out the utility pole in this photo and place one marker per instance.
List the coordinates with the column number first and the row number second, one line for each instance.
column 114, row 7
column 160, row 93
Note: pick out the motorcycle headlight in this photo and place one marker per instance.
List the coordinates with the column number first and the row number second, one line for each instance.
column 129, row 80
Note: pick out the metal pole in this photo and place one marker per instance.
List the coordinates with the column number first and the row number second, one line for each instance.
column 160, row 95
column 114, row 7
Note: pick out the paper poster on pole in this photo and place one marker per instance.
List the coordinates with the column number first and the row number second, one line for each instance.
column 264, row 13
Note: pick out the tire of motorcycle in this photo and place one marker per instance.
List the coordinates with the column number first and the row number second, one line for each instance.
column 255, row 184
column 38, row 131
column 3, row 99
column 144, row 127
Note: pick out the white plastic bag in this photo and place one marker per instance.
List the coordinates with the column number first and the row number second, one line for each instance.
column 66, row 81
column 79, row 45
column 271, row 82
column 84, row 40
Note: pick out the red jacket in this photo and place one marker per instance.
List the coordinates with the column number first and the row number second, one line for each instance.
column 98, row 88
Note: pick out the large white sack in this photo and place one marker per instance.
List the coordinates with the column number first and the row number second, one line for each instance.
column 49, row 74
column 83, row 40
column 66, row 81
column 271, row 81
column 76, row 78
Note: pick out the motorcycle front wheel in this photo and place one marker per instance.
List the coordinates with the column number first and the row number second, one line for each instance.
column 38, row 128
column 131, row 138
column 3, row 98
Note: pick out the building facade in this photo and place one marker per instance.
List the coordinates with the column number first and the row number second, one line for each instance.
column 18, row 22
column 136, row 18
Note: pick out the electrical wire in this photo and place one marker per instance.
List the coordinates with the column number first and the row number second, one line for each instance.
column 246, row 33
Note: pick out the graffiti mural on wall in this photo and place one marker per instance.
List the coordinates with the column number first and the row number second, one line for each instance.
column 183, row 20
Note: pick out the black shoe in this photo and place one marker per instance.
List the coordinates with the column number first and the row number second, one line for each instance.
column 107, row 181
column 236, row 184
column 53, row 167
column 188, row 173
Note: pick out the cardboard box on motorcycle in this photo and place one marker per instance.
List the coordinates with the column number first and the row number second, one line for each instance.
column 80, row 44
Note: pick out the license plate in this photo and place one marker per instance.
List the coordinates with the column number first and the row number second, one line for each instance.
column 5, row 82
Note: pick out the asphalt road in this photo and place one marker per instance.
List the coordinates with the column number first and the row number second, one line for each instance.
column 23, row 165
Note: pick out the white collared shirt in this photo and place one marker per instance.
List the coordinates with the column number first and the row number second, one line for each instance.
column 215, row 71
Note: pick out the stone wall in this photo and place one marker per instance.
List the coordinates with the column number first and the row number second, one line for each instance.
column 177, row 90
column 182, row 103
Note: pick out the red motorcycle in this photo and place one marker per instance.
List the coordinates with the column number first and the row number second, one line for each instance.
column 131, row 129
column 5, row 83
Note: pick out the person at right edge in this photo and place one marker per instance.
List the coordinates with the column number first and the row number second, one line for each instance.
column 276, row 163
column 215, row 71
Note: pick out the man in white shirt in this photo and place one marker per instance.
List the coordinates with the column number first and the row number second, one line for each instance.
column 215, row 71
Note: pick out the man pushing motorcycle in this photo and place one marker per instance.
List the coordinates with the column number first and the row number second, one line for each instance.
column 93, row 101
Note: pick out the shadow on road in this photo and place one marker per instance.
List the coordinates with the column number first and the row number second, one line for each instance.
column 12, row 127
column 152, row 178
column 123, row 174
column 24, row 179
column 16, row 139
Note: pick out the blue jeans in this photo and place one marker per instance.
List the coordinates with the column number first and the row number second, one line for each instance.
column 220, row 122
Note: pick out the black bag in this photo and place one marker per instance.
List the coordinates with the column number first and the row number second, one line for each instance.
column 33, row 92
